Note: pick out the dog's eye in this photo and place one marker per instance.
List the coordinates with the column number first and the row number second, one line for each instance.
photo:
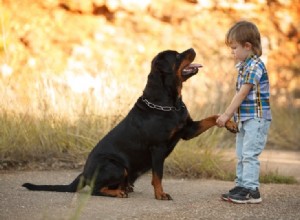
column 177, row 56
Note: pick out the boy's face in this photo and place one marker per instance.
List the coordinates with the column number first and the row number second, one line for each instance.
column 240, row 52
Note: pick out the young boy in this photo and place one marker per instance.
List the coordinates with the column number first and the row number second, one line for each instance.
column 251, row 109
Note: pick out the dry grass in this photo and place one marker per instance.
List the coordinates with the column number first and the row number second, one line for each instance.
column 284, row 131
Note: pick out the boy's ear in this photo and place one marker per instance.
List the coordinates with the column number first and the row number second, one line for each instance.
column 248, row 46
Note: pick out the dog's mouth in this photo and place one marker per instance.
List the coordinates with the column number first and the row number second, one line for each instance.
column 191, row 69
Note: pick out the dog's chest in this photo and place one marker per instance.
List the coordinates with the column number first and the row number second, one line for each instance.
column 177, row 123
column 159, row 126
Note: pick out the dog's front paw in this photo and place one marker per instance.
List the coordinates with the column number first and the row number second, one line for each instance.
column 163, row 196
column 129, row 188
column 232, row 126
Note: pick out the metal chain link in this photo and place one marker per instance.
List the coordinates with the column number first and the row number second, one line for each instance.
column 158, row 107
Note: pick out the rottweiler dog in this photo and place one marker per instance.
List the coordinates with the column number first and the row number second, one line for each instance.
column 146, row 136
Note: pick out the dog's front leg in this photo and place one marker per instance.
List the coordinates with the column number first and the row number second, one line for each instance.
column 158, row 158
column 194, row 128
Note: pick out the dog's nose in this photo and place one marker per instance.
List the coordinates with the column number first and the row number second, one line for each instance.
column 192, row 50
column 191, row 54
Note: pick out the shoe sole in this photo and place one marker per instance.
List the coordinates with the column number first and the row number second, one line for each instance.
column 249, row 201
column 224, row 199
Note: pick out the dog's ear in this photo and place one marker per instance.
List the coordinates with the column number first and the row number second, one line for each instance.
column 162, row 77
column 162, row 63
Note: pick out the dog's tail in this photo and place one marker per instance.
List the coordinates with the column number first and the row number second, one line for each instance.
column 76, row 185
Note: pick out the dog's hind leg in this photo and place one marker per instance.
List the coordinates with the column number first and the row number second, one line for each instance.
column 110, row 181
column 127, row 186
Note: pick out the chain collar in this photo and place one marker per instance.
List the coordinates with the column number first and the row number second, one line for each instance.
column 161, row 108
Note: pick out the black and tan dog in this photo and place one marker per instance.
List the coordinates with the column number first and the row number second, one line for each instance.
column 146, row 136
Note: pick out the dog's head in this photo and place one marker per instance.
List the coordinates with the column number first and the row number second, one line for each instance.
column 172, row 64
column 169, row 69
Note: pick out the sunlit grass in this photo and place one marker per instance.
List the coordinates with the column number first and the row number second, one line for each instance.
column 195, row 162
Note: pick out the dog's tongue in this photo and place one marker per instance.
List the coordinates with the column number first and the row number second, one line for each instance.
column 195, row 65
column 191, row 69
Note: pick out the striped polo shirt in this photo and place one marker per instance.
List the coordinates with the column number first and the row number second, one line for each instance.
column 257, row 102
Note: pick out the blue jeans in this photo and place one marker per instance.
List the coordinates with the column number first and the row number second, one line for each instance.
column 250, row 142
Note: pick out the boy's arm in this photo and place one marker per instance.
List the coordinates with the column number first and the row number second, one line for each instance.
column 235, row 103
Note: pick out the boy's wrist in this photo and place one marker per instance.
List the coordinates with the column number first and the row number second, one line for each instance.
column 227, row 114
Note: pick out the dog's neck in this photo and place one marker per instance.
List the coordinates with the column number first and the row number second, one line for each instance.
column 158, row 94
column 161, row 108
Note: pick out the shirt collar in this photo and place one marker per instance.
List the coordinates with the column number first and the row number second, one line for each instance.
column 241, row 65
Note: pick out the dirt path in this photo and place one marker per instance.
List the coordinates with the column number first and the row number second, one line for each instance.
column 193, row 199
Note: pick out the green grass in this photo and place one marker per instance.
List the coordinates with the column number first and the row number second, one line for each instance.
column 275, row 177
column 193, row 162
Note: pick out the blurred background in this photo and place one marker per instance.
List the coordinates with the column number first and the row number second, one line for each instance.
column 70, row 70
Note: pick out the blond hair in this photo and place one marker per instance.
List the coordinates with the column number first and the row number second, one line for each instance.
column 243, row 32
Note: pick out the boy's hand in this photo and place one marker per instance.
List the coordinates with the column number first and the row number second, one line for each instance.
column 222, row 120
